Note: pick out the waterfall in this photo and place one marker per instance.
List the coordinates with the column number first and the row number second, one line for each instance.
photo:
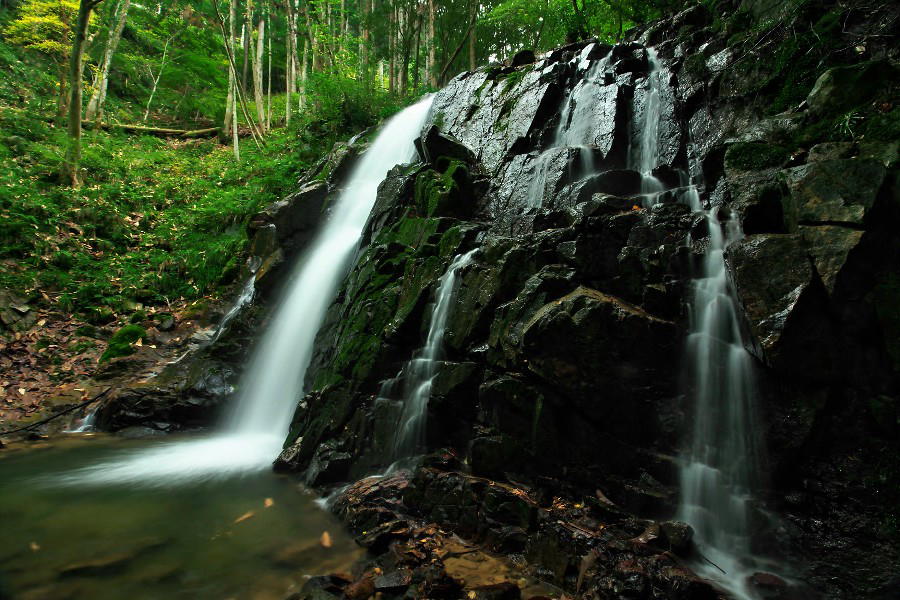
column 422, row 367
column 244, row 298
column 647, row 152
column 86, row 423
column 575, row 127
column 258, row 423
column 718, row 474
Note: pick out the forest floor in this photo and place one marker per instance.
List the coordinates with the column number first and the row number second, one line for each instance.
column 157, row 231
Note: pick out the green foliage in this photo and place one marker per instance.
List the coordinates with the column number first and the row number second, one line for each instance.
column 157, row 215
column 121, row 343
column 344, row 104
column 44, row 26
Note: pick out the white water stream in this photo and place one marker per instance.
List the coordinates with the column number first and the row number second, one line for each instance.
column 718, row 474
column 257, row 425
column 421, row 369
column 576, row 127
column 647, row 154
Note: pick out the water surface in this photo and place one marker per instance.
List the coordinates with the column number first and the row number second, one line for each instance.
column 256, row 536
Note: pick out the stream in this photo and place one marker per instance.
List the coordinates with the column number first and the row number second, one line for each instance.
column 256, row 536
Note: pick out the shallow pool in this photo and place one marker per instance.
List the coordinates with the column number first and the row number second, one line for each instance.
column 253, row 536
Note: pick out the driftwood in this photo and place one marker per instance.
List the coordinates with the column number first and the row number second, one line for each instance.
column 158, row 131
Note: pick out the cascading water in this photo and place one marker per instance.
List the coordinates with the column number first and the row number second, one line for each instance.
column 645, row 157
column 718, row 475
column 259, row 422
column 575, row 127
column 420, row 371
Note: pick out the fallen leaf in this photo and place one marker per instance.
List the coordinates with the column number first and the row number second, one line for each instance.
column 268, row 503
column 247, row 515
column 22, row 391
column 325, row 540
column 139, row 343
column 42, row 322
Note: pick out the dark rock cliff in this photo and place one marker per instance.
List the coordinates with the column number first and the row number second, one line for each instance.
column 563, row 353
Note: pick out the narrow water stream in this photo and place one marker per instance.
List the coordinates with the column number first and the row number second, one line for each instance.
column 253, row 537
column 422, row 368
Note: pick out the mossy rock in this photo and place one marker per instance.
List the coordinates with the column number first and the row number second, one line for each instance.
column 842, row 88
column 122, row 341
column 99, row 315
column 753, row 156
column 443, row 191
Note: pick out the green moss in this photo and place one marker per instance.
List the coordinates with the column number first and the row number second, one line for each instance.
column 120, row 344
column 755, row 156
column 513, row 79
column 695, row 66
column 435, row 190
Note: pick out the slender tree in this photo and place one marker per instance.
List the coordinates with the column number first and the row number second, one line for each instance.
column 258, row 92
column 98, row 95
column 72, row 161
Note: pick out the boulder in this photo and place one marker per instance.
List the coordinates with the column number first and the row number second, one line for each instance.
column 841, row 88
column 604, row 352
column 15, row 313
column 433, row 145
column 832, row 191
column 522, row 58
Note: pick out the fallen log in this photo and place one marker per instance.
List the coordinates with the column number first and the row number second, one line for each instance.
column 157, row 131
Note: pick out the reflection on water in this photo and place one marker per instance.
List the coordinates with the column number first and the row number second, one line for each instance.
column 255, row 536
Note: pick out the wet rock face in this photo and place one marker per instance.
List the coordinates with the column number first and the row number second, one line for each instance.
column 563, row 347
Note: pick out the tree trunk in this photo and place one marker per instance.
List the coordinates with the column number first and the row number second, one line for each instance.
column 269, row 94
column 76, row 60
column 258, row 92
column 431, row 66
column 392, row 51
column 364, row 43
column 288, row 58
column 63, row 97
column 416, row 52
column 98, row 96
column 245, row 40
column 473, row 14
column 232, row 40
column 405, row 48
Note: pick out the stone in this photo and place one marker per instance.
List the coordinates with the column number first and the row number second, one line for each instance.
column 769, row 294
column 491, row 116
column 841, row 88
column 296, row 217
column 832, row 191
column 768, row 586
column 326, row 587
column 328, row 465
column 829, row 246
column 433, row 145
column 15, row 314
column 522, row 58
column 361, row 589
column 394, row 582
column 166, row 323
column 566, row 340
column 678, row 535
